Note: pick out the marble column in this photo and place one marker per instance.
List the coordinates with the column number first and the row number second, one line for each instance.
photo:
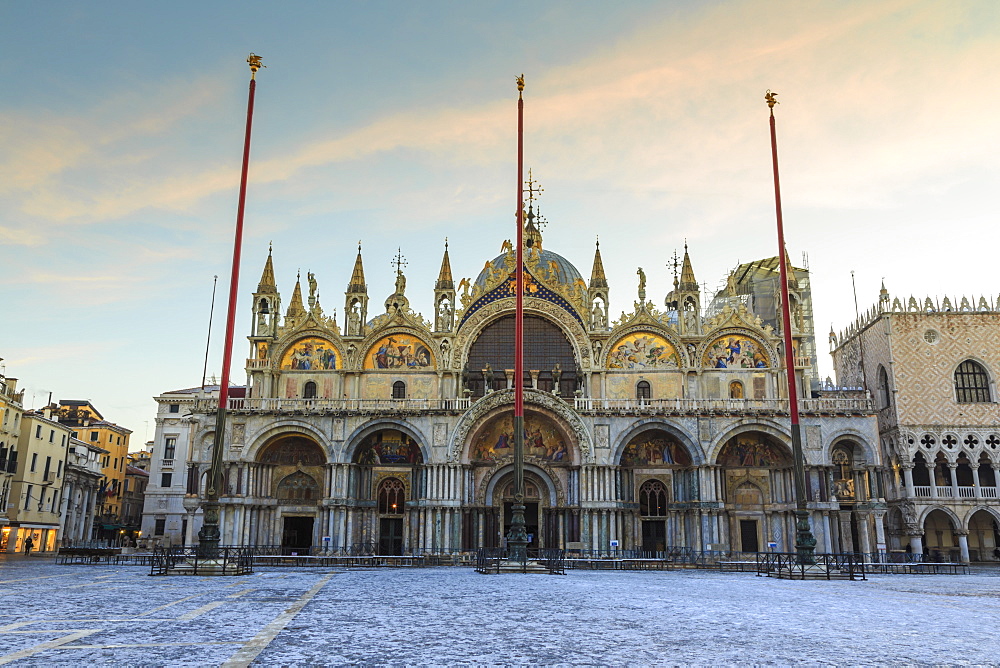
column 963, row 545
column 908, row 478
column 953, row 474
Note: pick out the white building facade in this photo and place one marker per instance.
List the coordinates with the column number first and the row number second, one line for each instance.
column 660, row 429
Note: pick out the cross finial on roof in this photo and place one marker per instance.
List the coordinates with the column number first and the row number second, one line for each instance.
column 399, row 261
column 533, row 187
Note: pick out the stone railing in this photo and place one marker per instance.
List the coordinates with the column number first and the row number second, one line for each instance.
column 945, row 492
column 824, row 406
column 322, row 406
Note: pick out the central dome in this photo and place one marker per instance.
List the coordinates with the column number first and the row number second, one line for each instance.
column 568, row 274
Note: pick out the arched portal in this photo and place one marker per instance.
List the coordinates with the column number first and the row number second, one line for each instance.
column 548, row 357
column 757, row 484
column 536, row 509
column 387, row 468
column 656, row 475
column 984, row 536
column 292, row 468
column 940, row 541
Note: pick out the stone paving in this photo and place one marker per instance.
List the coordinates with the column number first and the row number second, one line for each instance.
column 98, row 615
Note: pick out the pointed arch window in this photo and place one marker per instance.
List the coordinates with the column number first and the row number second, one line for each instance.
column 884, row 393
column 391, row 497
column 399, row 390
column 972, row 384
column 309, row 391
column 653, row 499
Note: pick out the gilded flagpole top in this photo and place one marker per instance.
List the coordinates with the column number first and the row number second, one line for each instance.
column 254, row 61
column 769, row 96
column 520, row 85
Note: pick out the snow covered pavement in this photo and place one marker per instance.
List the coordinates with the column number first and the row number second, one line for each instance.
column 87, row 615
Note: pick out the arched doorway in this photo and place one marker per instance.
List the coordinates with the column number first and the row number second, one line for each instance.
column 940, row 541
column 535, row 503
column 757, row 484
column 984, row 537
column 658, row 478
column 391, row 503
column 294, row 470
column 550, row 453
column 386, row 470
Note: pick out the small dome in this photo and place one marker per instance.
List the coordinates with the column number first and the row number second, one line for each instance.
column 568, row 274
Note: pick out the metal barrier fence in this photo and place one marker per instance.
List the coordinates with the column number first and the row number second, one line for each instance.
column 500, row 559
column 226, row 560
column 826, row 566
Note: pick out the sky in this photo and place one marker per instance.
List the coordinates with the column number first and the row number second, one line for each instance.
column 121, row 136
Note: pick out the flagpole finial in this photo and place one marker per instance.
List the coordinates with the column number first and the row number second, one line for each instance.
column 769, row 96
column 254, row 61
column 520, row 85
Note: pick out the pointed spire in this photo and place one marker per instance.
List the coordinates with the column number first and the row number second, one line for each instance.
column 597, row 277
column 267, row 283
column 688, row 283
column 445, row 281
column 357, row 283
column 295, row 308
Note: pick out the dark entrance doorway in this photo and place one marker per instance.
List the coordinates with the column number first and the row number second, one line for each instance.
column 748, row 536
column 654, row 535
column 530, row 520
column 390, row 535
column 297, row 535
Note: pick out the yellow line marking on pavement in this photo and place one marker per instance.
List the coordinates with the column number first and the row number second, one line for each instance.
column 75, row 634
column 11, row 627
column 188, row 616
column 154, row 644
column 240, row 593
column 246, row 654
column 167, row 605
column 235, row 584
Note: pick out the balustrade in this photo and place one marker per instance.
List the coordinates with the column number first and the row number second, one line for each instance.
column 826, row 405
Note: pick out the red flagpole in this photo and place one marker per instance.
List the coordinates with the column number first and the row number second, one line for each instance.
column 210, row 535
column 519, row 311
column 517, row 539
column 805, row 542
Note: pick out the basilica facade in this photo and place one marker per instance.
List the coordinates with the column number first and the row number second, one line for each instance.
column 666, row 427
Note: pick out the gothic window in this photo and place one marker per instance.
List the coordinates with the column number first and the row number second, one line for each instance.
column 391, row 496
column 972, row 385
column 653, row 499
column 545, row 345
column 309, row 391
column 642, row 390
column 884, row 393
column 298, row 486
column 399, row 390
